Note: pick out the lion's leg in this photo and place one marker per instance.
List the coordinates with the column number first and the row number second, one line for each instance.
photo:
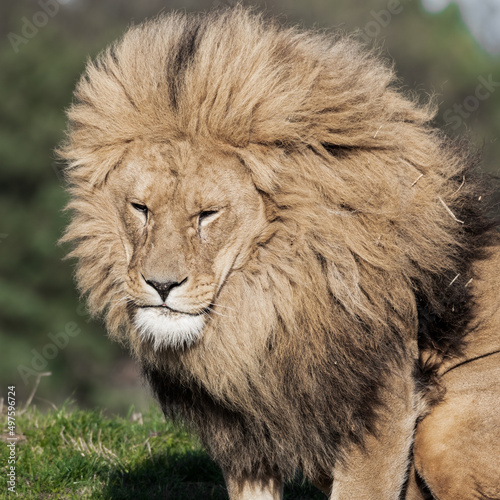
column 457, row 446
column 379, row 470
column 248, row 489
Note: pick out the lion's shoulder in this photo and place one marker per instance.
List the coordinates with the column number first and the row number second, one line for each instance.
column 483, row 334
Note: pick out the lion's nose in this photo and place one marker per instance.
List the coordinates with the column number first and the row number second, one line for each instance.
column 164, row 287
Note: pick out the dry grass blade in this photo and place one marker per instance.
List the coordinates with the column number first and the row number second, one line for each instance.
column 89, row 448
column 449, row 211
column 35, row 387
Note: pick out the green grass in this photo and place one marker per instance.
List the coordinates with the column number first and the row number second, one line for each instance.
column 72, row 453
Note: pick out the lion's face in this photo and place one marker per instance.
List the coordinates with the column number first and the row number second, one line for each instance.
column 189, row 217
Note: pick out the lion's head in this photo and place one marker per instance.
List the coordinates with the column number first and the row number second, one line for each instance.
column 261, row 213
column 190, row 216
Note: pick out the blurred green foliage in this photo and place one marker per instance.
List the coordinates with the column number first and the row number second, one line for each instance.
column 433, row 54
column 83, row 454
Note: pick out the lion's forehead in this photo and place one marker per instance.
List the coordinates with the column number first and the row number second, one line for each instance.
column 180, row 177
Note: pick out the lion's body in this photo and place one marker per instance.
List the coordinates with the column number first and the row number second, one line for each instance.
column 276, row 233
column 457, row 446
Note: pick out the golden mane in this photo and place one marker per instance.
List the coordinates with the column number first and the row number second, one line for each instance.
column 375, row 221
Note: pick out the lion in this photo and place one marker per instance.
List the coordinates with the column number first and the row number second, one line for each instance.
column 283, row 241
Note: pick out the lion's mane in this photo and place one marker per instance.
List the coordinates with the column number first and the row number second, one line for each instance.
column 374, row 221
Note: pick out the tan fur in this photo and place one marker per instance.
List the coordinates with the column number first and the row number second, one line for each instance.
column 370, row 473
column 247, row 489
column 457, row 446
column 333, row 222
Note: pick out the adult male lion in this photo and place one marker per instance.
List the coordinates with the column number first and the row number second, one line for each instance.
column 278, row 235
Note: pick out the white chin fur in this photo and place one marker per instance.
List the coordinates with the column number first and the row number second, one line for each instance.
column 167, row 328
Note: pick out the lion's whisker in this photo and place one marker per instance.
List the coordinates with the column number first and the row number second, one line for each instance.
column 123, row 299
column 224, row 307
column 210, row 308
column 220, row 314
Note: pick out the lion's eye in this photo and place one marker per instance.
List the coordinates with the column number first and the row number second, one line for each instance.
column 206, row 217
column 140, row 208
